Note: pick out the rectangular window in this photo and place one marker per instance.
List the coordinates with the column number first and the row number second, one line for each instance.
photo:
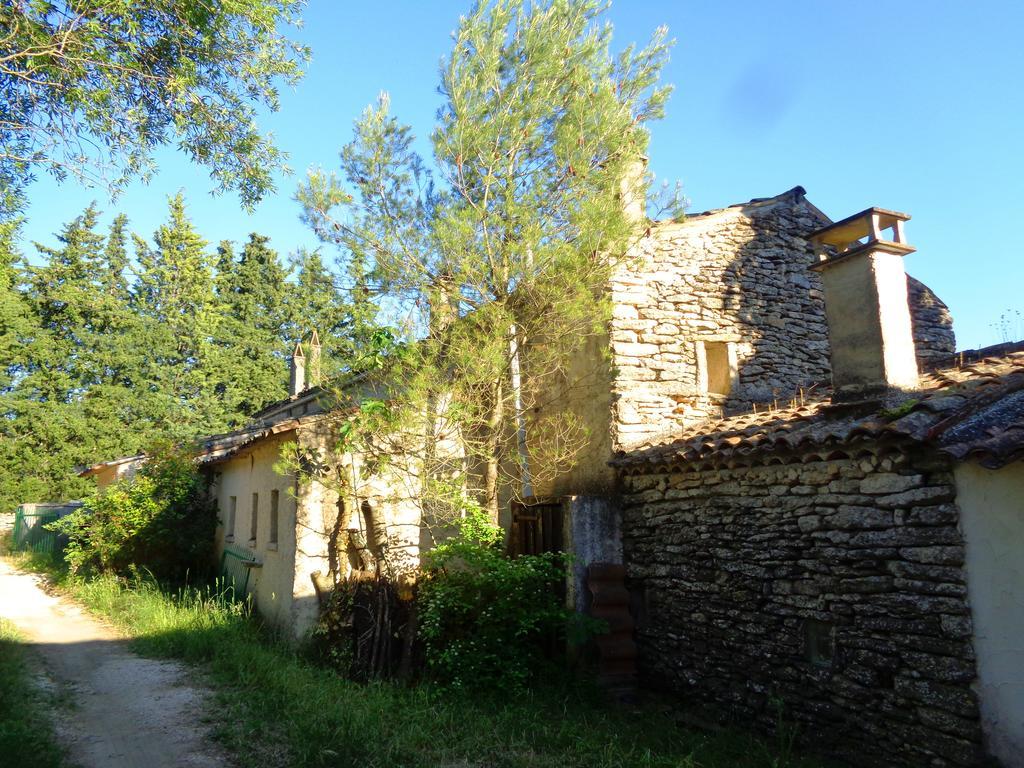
column 274, row 498
column 719, row 367
column 819, row 642
column 232, row 517
column 255, row 519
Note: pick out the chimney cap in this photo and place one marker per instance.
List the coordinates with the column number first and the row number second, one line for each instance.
column 862, row 231
column 298, row 350
column 314, row 339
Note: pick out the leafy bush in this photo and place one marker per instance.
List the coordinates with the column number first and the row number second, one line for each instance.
column 485, row 617
column 162, row 520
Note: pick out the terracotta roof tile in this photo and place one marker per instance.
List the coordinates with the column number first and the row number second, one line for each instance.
column 217, row 448
column 974, row 411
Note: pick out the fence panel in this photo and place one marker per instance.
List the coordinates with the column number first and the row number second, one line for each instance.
column 30, row 532
column 235, row 567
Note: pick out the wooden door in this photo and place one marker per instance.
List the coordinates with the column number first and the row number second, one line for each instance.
column 536, row 528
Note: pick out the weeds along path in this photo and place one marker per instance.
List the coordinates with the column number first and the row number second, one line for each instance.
column 125, row 711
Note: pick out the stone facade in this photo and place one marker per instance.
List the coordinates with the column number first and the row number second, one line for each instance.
column 828, row 589
column 736, row 283
column 736, row 278
column 933, row 325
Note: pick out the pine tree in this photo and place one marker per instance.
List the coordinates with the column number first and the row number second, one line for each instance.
column 176, row 306
column 539, row 137
column 251, row 344
column 344, row 316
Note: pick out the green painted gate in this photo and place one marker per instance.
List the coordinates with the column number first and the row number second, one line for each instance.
column 31, row 534
column 235, row 567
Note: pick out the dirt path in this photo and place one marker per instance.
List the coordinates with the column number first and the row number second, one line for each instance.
column 127, row 712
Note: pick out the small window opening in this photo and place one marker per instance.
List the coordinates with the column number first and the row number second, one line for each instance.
column 274, row 499
column 719, row 367
column 232, row 517
column 255, row 518
column 819, row 642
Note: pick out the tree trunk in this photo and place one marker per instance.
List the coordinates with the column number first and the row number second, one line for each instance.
column 515, row 367
column 443, row 314
column 493, row 458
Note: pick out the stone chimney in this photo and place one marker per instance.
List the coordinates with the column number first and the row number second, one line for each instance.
column 297, row 379
column 314, row 359
column 869, row 324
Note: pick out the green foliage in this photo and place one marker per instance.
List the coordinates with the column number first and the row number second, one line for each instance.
column 501, row 257
column 26, row 734
column 483, row 616
column 161, row 520
column 277, row 709
column 102, row 356
column 247, row 356
column 70, row 365
column 899, row 411
column 91, row 89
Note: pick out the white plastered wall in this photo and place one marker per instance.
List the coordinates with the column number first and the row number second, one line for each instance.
column 992, row 517
column 272, row 583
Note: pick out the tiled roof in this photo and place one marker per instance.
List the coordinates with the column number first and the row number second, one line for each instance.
column 973, row 411
column 217, row 448
column 87, row 471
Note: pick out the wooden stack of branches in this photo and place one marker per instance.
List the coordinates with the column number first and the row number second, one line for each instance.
column 367, row 630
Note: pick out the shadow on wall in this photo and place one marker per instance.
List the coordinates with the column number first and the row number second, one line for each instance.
column 775, row 305
column 932, row 325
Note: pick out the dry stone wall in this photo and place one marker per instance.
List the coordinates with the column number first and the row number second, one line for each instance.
column 831, row 592
column 933, row 325
column 738, row 277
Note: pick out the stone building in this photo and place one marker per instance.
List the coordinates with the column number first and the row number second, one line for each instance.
column 709, row 316
column 297, row 512
column 851, row 558
column 713, row 315
column 108, row 472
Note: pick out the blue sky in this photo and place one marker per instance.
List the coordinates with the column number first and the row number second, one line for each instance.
column 915, row 105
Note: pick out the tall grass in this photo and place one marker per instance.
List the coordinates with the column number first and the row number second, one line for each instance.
column 26, row 731
column 274, row 708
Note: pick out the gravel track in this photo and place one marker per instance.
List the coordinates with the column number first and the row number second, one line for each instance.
column 126, row 711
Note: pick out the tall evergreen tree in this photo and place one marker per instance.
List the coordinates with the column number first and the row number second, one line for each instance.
column 251, row 347
column 104, row 356
column 540, row 134
column 18, row 330
column 176, row 305
column 48, row 410
column 16, row 321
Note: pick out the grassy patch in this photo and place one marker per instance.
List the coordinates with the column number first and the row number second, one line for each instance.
column 26, row 733
column 274, row 708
